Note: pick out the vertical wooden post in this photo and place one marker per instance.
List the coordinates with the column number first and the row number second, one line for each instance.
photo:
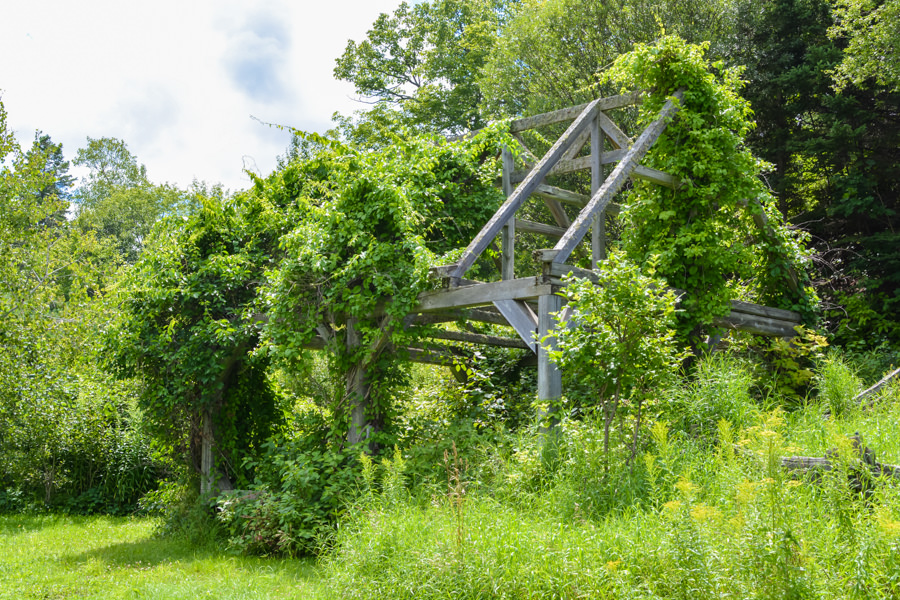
column 598, row 228
column 213, row 479
column 357, row 391
column 207, row 468
column 549, row 382
column 508, row 234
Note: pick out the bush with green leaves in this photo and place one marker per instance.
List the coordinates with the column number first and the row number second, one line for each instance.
column 618, row 344
column 301, row 487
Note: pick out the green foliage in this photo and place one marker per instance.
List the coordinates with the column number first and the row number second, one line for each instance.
column 836, row 383
column 187, row 327
column 719, row 388
column 424, row 59
column 68, row 436
column 551, row 52
column 719, row 519
column 118, row 202
column 301, row 487
column 368, row 227
column 873, row 48
column 618, row 342
column 835, row 158
column 791, row 362
column 698, row 232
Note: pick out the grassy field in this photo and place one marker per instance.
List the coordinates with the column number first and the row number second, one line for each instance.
column 706, row 511
column 56, row 557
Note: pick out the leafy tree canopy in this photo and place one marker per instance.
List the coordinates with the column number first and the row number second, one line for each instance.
column 551, row 52
column 423, row 59
column 872, row 28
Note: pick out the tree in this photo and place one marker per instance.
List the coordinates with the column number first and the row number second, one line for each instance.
column 551, row 53
column 835, row 157
column 57, row 430
column 618, row 342
column 424, row 60
column 117, row 200
column 872, row 29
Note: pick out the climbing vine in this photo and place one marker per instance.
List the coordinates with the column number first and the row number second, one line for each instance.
column 717, row 234
column 368, row 227
column 187, row 328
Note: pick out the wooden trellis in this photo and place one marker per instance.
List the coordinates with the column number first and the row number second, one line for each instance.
column 526, row 303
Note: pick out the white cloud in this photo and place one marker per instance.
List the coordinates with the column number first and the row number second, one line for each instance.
column 179, row 81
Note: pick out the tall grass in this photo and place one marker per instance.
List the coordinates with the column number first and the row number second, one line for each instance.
column 707, row 512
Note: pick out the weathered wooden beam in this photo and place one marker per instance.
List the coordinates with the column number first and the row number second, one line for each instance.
column 549, row 377
column 521, row 193
column 816, row 464
column 618, row 137
column 508, row 236
column 471, row 314
column 616, row 179
column 573, row 198
column 598, row 227
column 874, row 389
column 482, row 293
column 765, row 311
column 480, row 338
column 357, row 392
column 569, row 166
column 578, row 145
column 756, row 324
column 520, row 316
column 567, row 114
column 539, row 228
column 655, row 176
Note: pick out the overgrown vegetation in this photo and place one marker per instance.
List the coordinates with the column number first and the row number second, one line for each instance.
column 150, row 335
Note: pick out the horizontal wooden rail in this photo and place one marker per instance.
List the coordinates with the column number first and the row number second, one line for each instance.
column 567, row 114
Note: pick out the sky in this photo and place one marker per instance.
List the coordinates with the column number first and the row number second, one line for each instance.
column 185, row 83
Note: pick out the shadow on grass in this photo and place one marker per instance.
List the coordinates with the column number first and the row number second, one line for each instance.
column 13, row 524
column 152, row 552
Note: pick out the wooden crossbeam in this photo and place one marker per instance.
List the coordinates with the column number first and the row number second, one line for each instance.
column 539, row 228
column 569, row 166
column 521, row 193
column 567, row 114
column 482, row 293
column 615, row 181
column 572, row 198
column 479, row 338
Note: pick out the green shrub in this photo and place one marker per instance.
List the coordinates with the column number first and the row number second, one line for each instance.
column 836, row 382
column 720, row 388
column 298, row 493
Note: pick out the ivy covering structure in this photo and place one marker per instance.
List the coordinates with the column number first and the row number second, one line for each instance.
column 337, row 250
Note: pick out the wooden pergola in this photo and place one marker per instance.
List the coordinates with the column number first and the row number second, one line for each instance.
column 525, row 303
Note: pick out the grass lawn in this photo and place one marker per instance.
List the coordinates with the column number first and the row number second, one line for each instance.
column 55, row 557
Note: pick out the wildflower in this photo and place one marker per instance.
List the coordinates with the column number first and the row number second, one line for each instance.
column 702, row 512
